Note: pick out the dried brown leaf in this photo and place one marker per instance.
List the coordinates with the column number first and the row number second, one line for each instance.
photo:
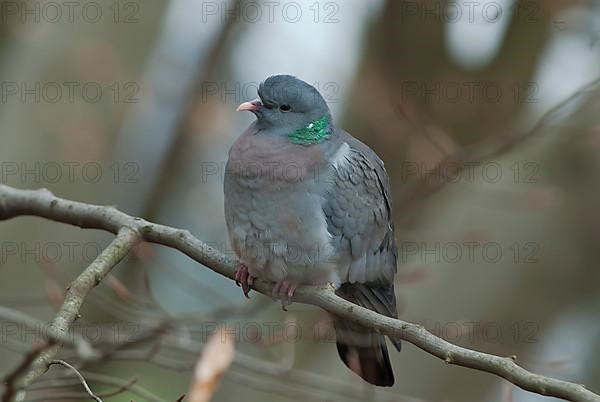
column 215, row 359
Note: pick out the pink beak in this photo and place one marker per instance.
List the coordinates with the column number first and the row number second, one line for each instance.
column 250, row 106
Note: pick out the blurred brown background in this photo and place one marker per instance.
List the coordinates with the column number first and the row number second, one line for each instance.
column 131, row 103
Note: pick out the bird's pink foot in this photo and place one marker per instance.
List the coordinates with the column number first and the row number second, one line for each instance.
column 284, row 291
column 244, row 279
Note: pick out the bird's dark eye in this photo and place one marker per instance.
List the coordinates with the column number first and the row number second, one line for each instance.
column 285, row 108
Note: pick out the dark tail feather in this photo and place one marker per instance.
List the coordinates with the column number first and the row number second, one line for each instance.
column 363, row 350
column 371, row 361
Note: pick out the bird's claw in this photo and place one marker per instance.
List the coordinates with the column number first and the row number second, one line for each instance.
column 284, row 291
column 244, row 279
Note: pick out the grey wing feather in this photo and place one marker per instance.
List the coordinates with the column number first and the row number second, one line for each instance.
column 358, row 209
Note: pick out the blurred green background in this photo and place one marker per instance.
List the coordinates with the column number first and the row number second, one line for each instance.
column 132, row 103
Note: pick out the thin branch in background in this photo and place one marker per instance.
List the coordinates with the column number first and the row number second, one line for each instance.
column 487, row 149
column 75, row 296
column 421, row 128
column 125, row 295
column 164, row 341
column 205, row 73
column 121, row 389
column 265, row 372
column 123, row 311
column 78, row 374
column 17, row 317
column 61, row 397
column 68, row 382
column 129, row 230
column 190, row 284
column 124, row 385
column 11, row 379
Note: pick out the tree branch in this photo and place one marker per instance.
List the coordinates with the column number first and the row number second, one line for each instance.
column 75, row 296
column 10, row 380
column 14, row 202
column 79, row 376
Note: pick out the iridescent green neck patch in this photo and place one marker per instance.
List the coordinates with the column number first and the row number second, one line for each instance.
column 314, row 132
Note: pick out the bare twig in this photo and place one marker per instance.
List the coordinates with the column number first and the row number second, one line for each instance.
column 14, row 202
column 13, row 316
column 486, row 149
column 81, row 379
column 11, row 379
column 123, row 385
column 122, row 388
column 75, row 296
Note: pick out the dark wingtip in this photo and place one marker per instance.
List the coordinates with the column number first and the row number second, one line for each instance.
column 372, row 364
column 362, row 349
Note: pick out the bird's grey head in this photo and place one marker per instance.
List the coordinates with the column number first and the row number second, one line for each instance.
column 292, row 107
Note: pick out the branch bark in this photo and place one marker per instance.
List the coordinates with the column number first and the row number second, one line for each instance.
column 74, row 298
column 42, row 203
